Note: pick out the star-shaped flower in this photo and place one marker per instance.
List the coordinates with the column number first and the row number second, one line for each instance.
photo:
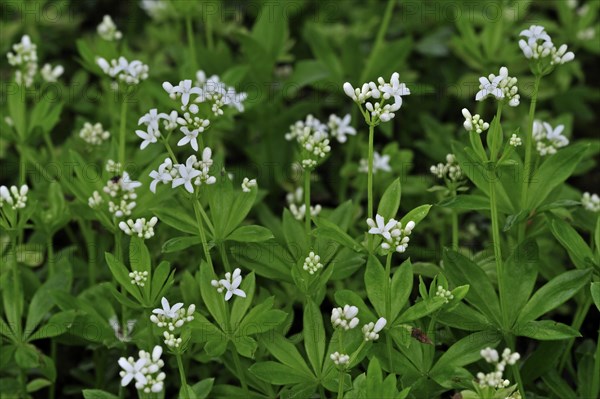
column 380, row 227
column 132, row 370
column 167, row 310
column 489, row 88
column 187, row 173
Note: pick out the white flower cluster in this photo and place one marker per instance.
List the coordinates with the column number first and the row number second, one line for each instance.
column 50, row 74
column 344, row 318
column 193, row 172
column 156, row 9
column 538, row 45
column 502, row 87
column 152, row 121
column 231, row 284
column 171, row 318
column 131, row 73
column 312, row 263
column 395, row 236
column 16, row 197
column 313, row 138
column 381, row 91
column 138, row 278
column 340, row 127
column 247, row 184
column 495, row 378
column 380, row 162
column 474, row 122
column 120, row 191
column 444, row 293
column 94, row 134
column 548, row 139
column 25, row 58
column 122, row 334
column 141, row 227
column 113, row 166
column 297, row 207
column 107, row 30
column 206, row 90
column 145, row 371
column 371, row 330
column 450, row 170
column 515, row 140
column 591, row 202
column 339, row 359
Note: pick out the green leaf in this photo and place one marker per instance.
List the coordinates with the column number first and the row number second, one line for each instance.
column 314, row 335
column 37, row 384
column 554, row 293
column 520, row 273
column 416, row 215
column 162, row 280
column 12, row 296
column 347, row 297
column 555, row 170
column 57, row 325
column 329, row 230
column 402, row 283
column 176, row 218
column 277, row 373
column 595, row 290
column 27, row 356
column 579, row 252
column 202, row 389
column 215, row 302
column 390, row 201
column 546, row 330
column 262, row 318
column 98, row 394
column 41, row 303
column 460, row 271
column 252, row 233
column 284, row 351
column 241, row 305
column 465, row 351
column 121, row 274
column 139, row 256
column 16, row 108
column 177, row 244
column 421, row 309
column 469, row 202
column 375, row 283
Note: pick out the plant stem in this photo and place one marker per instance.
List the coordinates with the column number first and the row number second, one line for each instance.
column 191, row 42
column 182, row 376
column 370, row 182
column 50, row 254
column 22, row 165
column 307, row 214
column 388, row 306
column 122, row 130
column 515, row 368
column 577, row 322
column 240, row 371
column 528, row 150
column 454, row 230
column 224, row 257
column 596, row 379
column 197, row 206
column 209, row 33
column 341, row 384
column 379, row 39
column 492, row 178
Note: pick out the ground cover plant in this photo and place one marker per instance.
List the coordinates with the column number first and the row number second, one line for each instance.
column 273, row 199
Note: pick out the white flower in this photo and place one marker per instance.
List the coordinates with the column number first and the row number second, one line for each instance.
column 345, row 317
column 380, row 162
column 130, row 73
column 183, row 89
column 548, row 139
column 171, row 341
column 247, row 184
column 381, row 227
column 16, row 197
column 371, row 330
column 163, row 175
column 25, row 59
column 132, row 369
column 93, row 134
column 535, row 33
column 339, row 359
column 538, row 46
column 137, row 277
column 515, row 140
column 474, row 123
column 191, row 137
column 489, row 88
column 444, row 293
column 50, row 74
column 450, row 170
column 230, row 284
column 127, row 184
column 155, row 378
column 122, row 334
column 495, row 379
column 107, row 29
column 152, row 118
column 167, row 310
column 156, row 9
column 95, row 200
column 591, row 202
column 187, row 173
column 312, row 263
column 149, row 137
column 312, row 136
column 394, row 89
column 340, row 127
column 141, row 228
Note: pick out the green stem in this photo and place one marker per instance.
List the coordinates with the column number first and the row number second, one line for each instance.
column 596, row 379
column 240, row 371
column 379, row 39
column 224, row 257
column 454, row 230
column 22, row 166
column 209, row 33
column 370, row 182
column 341, row 384
column 576, row 324
column 49, row 144
column 515, row 368
column 182, row 376
column 307, row 215
column 191, row 42
column 53, row 352
column 388, row 307
column 197, row 206
column 528, row 150
column 50, row 254
column 122, row 130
